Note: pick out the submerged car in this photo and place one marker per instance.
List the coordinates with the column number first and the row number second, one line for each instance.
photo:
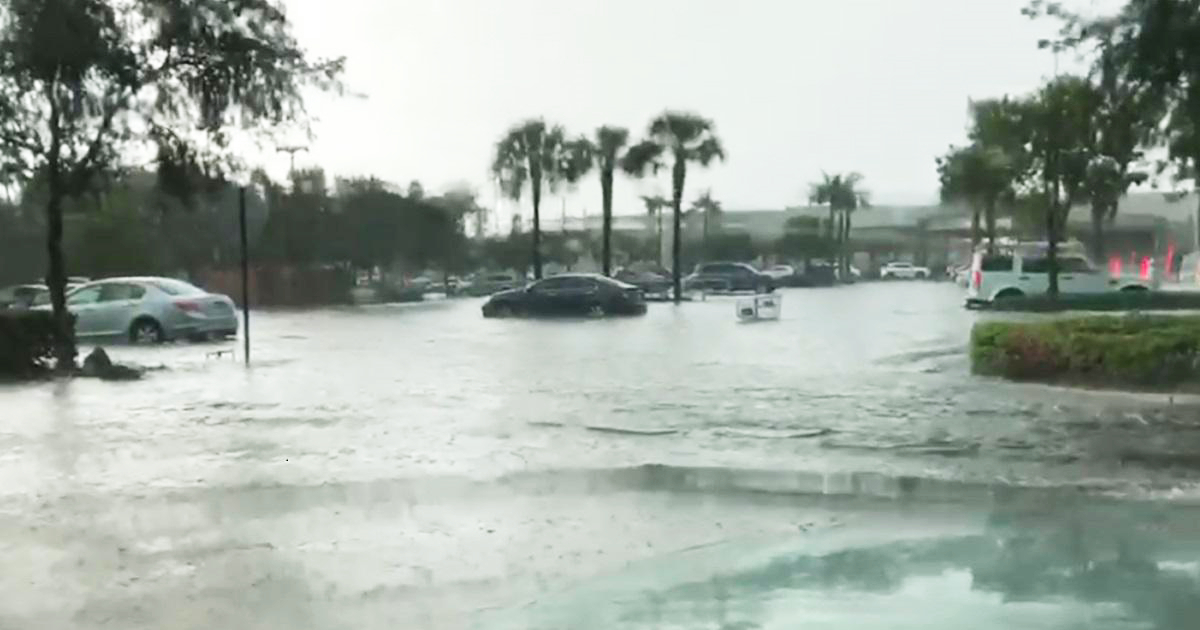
column 900, row 270
column 650, row 281
column 489, row 283
column 728, row 277
column 21, row 296
column 149, row 310
column 568, row 294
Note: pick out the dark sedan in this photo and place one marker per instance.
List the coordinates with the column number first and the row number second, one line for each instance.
column 568, row 294
column 728, row 277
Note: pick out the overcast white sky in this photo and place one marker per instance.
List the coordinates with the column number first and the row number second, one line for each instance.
column 794, row 86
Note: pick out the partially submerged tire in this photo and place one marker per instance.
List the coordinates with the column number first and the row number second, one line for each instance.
column 1009, row 294
column 1134, row 288
column 146, row 331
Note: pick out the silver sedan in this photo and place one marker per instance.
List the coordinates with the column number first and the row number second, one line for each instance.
column 149, row 310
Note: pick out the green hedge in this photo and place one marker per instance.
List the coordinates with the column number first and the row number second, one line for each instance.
column 1139, row 351
column 1114, row 301
column 26, row 344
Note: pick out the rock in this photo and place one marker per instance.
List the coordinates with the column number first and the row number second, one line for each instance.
column 99, row 365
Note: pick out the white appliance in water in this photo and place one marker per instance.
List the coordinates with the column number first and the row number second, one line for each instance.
column 762, row 307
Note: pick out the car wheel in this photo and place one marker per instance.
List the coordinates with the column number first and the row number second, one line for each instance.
column 1009, row 294
column 1134, row 289
column 921, row 276
column 146, row 331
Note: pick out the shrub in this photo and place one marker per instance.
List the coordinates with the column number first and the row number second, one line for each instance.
column 1115, row 351
column 26, row 344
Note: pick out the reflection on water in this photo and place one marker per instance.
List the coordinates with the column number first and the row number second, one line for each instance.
column 419, row 466
column 1077, row 564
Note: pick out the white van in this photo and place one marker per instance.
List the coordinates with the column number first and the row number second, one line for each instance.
column 1017, row 273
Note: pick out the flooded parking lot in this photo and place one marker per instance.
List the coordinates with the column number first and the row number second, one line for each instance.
column 420, row 465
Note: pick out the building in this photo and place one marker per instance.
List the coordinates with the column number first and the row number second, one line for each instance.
column 1147, row 225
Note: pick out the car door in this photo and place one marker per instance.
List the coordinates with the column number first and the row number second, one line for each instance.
column 83, row 305
column 1076, row 275
column 1034, row 276
column 118, row 306
column 546, row 297
column 579, row 296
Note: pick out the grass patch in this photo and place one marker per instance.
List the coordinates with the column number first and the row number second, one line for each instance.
column 1135, row 351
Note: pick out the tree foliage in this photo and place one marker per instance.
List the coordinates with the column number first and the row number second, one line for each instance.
column 677, row 139
column 843, row 194
column 538, row 156
column 87, row 85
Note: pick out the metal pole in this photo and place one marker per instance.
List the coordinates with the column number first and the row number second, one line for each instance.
column 245, row 276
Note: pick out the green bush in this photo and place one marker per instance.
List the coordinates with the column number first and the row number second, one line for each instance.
column 1112, row 301
column 1134, row 350
column 26, row 344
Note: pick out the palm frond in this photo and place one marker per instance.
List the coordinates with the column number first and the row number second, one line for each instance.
column 642, row 158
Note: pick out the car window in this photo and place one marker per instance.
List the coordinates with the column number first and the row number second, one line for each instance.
column 996, row 263
column 552, row 284
column 1075, row 264
column 176, row 287
column 41, row 299
column 88, row 295
column 119, row 292
column 1035, row 264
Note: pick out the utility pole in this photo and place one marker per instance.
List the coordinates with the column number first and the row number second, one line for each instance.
column 291, row 151
column 245, row 275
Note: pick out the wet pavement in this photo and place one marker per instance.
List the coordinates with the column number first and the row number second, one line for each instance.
column 419, row 466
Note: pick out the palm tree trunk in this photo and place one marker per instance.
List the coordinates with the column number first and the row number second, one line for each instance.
column 606, row 191
column 536, row 183
column 990, row 224
column 831, row 220
column 1099, row 211
column 678, row 175
column 846, row 249
column 975, row 233
column 658, row 252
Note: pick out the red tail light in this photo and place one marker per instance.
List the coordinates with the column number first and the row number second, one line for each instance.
column 187, row 307
column 978, row 279
column 1145, row 268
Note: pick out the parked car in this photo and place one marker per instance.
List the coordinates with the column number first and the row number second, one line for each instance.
column 780, row 272
column 728, row 277
column 899, row 270
column 149, row 310
column 21, row 296
column 489, row 283
column 650, row 281
column 569, row 294
column 1008, row 275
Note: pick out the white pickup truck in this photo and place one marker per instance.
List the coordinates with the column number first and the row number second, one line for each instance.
column 1004, row 276
column 902, row 271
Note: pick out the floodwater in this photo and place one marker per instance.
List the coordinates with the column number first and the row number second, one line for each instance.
column 418, row 466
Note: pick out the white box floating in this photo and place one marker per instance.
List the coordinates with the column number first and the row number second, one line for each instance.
column 762, row 307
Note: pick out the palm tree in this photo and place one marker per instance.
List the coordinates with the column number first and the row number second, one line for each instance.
column 604, row 152
column 681, row 138
column 981, row 176
column 843, row 196
column 654, row 208
column 541, row 155
column 710, row 212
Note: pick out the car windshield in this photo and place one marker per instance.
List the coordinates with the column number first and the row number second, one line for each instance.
column 600, row 314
